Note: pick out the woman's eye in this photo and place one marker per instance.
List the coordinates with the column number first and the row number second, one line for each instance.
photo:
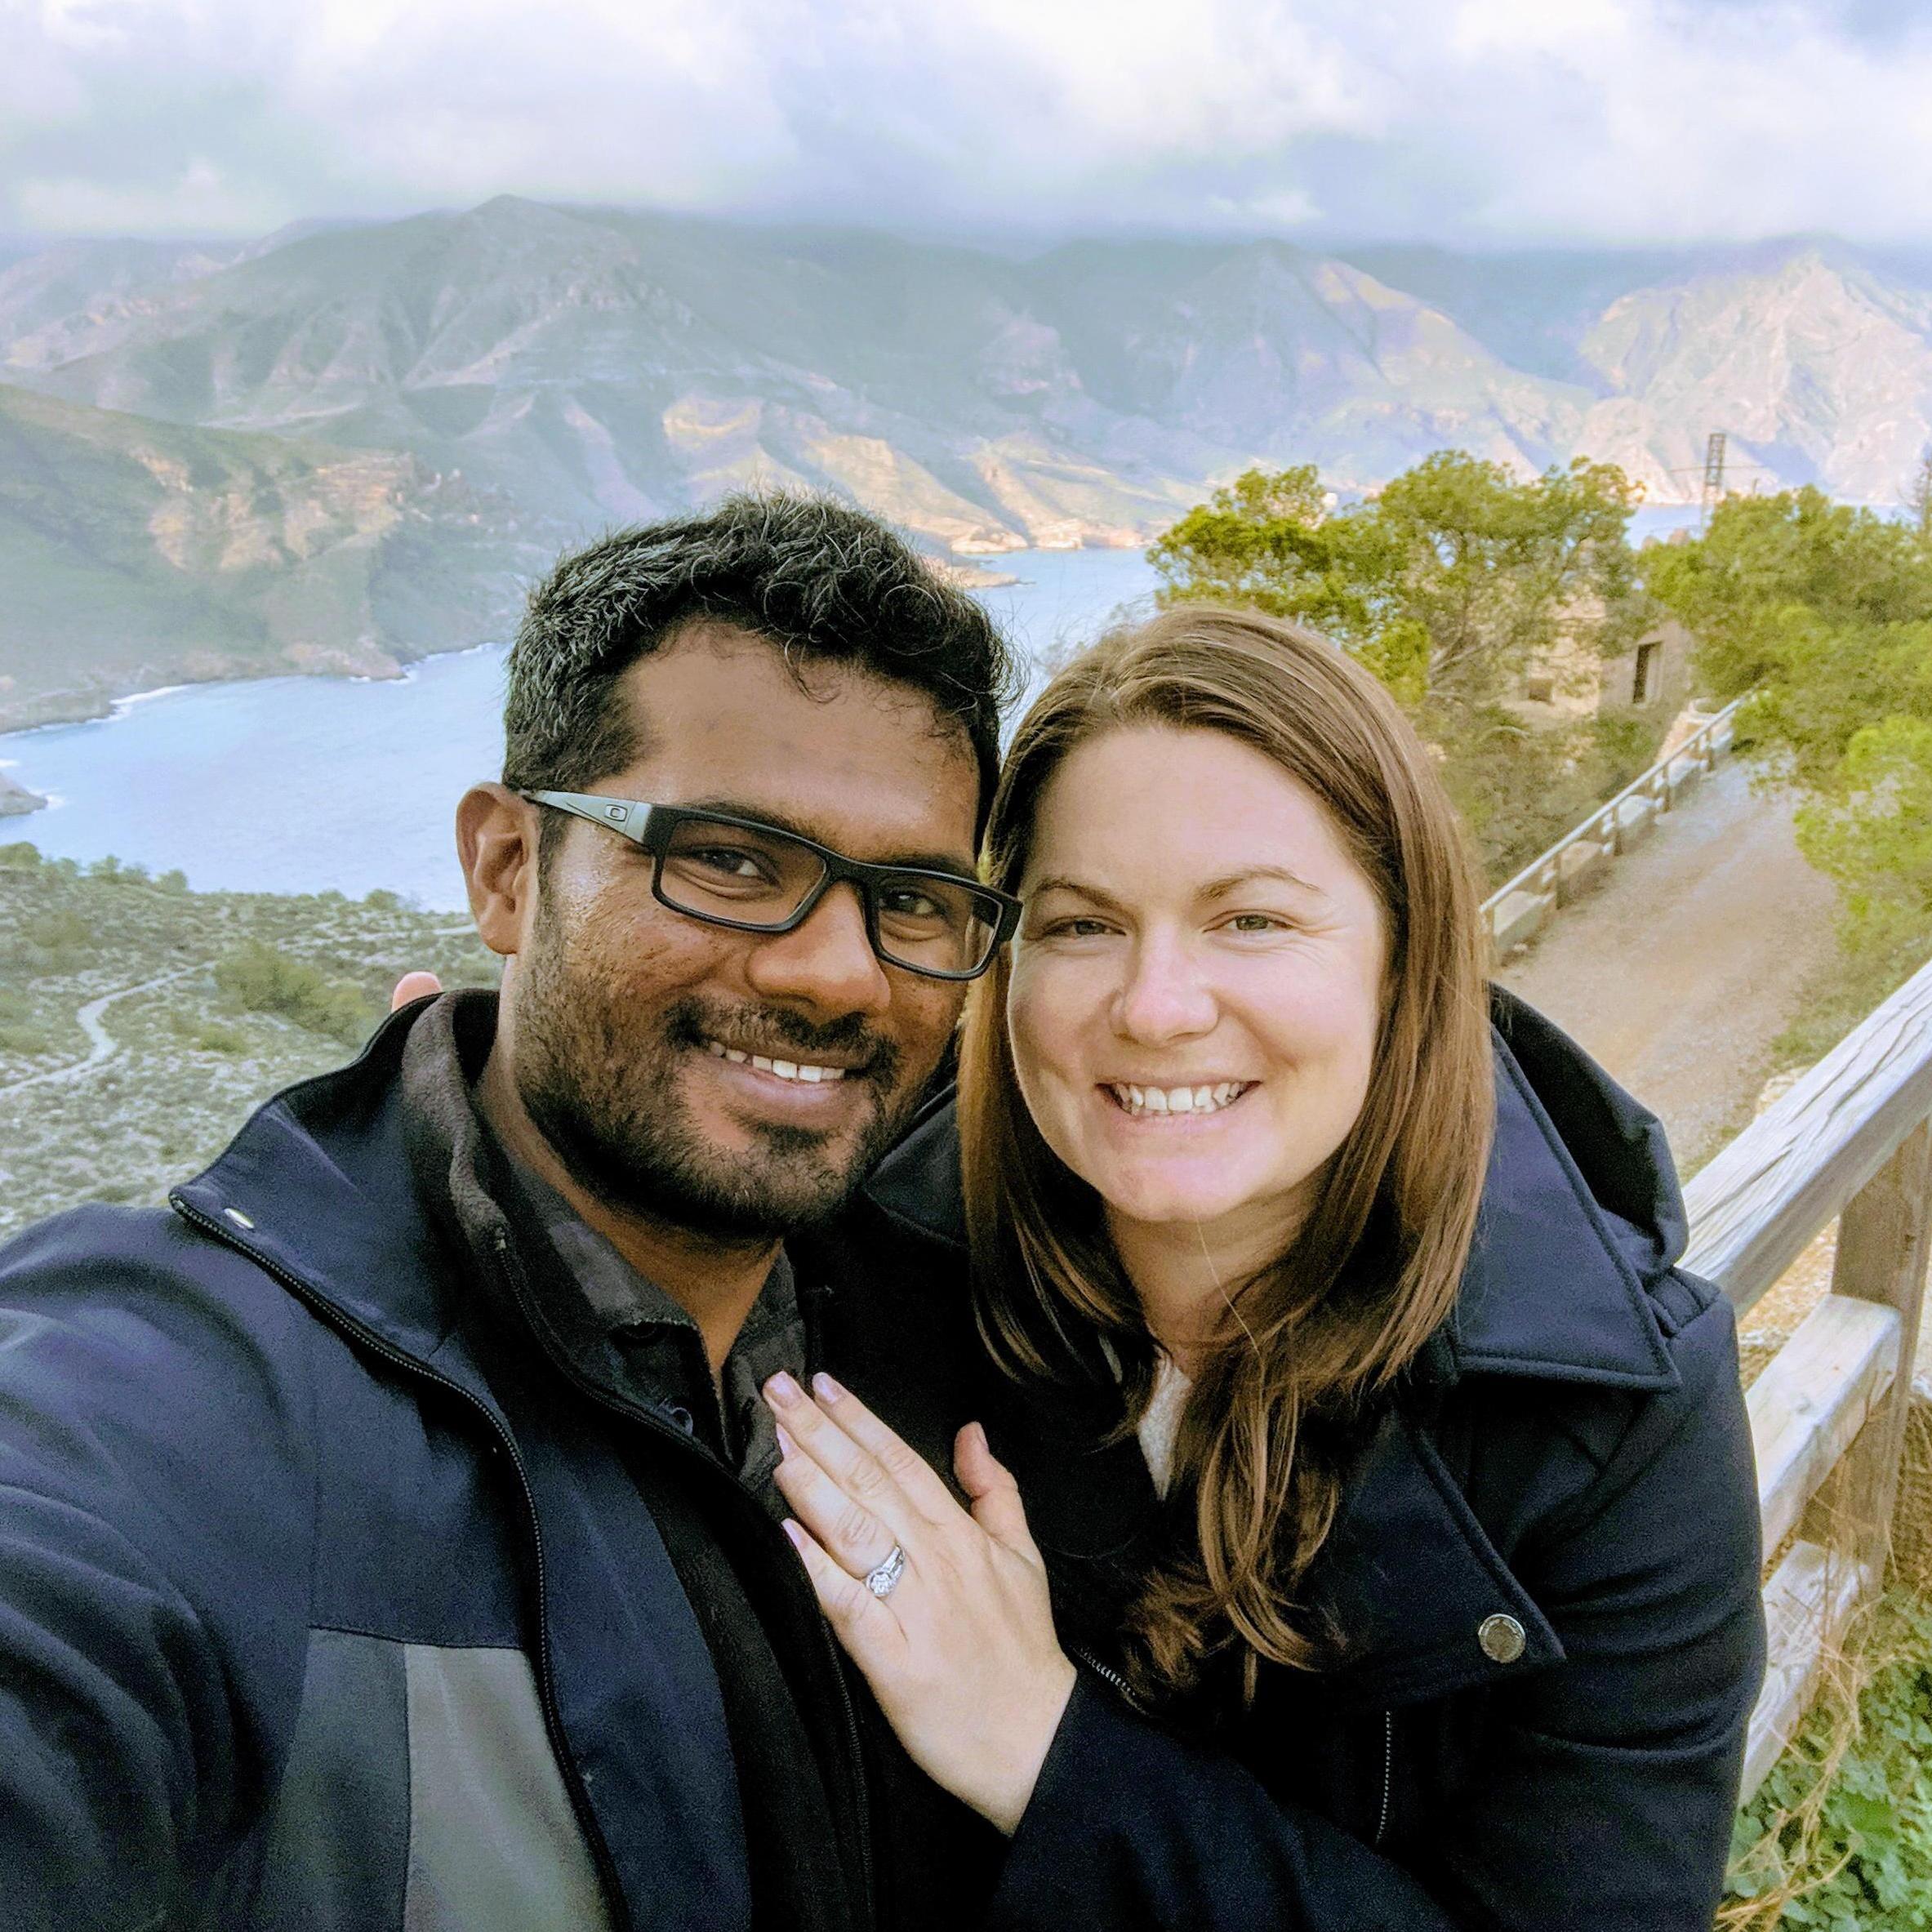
column 1074, row 929
column 1257, row 922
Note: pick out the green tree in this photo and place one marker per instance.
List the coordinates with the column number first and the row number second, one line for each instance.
column 1822, row 613
column 1448, row 585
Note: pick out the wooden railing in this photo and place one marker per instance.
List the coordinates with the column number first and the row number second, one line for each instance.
column 1852, row 1139
column 1516, row 912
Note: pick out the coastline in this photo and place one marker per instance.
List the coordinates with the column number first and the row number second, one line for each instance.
column 24, row 718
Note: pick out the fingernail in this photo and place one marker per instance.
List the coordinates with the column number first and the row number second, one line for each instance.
column 977, row 1431
column 785, row 1445
column 796, row 1534
column 825, row 1386
column 781, row 1388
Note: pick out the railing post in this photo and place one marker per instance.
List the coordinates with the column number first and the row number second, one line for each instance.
column 1884, row 1238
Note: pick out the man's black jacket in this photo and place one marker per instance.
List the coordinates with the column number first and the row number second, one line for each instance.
column 329, row 1602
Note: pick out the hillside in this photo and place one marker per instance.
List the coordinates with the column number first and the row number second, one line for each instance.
column 138, row 553
column 336, row 447
column 139, row 1029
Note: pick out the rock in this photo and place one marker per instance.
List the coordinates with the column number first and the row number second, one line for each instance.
column 16, row 800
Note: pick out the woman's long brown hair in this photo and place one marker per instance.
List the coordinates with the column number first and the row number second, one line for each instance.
column 1278, row 1400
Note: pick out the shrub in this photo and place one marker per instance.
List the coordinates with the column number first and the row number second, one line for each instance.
column 259, row 979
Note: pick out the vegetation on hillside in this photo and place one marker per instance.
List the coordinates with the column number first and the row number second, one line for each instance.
column 137, row 553
column 206, row 1003
column 1450, row 584
column 1823, row 613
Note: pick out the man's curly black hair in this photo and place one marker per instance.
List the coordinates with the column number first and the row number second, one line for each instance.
column 818, row 579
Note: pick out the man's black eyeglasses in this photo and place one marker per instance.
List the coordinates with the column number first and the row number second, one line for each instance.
column 752, row 877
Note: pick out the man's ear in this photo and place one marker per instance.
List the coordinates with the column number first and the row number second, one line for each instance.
column 497, row 835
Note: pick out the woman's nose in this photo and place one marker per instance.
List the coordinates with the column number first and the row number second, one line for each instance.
column 1165, row 995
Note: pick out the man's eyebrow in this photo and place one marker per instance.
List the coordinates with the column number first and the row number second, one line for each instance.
column 948, row 862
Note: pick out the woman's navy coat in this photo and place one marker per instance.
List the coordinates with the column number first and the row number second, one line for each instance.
column 1545, row 1572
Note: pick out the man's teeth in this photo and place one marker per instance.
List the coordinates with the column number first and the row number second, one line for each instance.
column 786, row 1070
column 1179, row 1099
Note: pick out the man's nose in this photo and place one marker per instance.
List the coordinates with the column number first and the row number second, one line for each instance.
column 827, row 963
column 1164, row 996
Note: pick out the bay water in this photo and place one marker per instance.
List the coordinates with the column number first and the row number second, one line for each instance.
column 303, row 784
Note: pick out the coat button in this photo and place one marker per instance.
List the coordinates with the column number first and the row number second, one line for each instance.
column 1503, row 1639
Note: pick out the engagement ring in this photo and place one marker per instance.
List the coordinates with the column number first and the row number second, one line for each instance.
column 884, row 1580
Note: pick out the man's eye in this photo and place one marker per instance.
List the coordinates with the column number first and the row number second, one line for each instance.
column 911, row 904
column 1257, row 921
column 729, row 862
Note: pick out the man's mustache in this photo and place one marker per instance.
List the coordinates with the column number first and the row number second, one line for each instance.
column 777, row 1034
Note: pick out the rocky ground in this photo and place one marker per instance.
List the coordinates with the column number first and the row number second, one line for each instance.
column 126, row 1066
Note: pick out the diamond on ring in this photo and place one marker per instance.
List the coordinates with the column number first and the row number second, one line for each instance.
column 884, row 1580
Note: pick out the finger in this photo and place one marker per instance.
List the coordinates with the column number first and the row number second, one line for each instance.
column 817, row 1427
column 862, row 1623
column 413, row 986
column 915, row 1477
column 996, row 1504
column 858, row 1539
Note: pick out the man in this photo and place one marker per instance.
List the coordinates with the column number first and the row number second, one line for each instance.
column 387, row 1533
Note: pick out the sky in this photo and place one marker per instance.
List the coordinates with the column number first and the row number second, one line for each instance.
column 1469, row 123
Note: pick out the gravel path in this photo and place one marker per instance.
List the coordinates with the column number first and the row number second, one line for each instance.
column 102, row 1046
column 1690, row 958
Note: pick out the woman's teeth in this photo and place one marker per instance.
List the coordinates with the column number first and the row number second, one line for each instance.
column 1142, row 1100
column 786, row 1070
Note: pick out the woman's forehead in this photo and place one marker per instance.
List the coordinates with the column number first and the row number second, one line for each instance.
column 1137, row 801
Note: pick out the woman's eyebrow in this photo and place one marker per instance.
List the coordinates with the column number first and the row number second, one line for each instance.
column 1041, row 887
column 1219, row 888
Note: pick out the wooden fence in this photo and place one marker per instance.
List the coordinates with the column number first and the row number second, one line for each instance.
column 1852, row 1139
column 1517, row 911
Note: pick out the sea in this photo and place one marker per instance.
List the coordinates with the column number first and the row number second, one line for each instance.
column 306, row 784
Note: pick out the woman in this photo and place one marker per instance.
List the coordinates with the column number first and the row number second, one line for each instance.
column 1384, row 1547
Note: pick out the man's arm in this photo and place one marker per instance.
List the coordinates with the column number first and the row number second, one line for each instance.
column 153, row 1518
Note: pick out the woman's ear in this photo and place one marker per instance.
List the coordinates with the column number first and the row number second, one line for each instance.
column 497, row 840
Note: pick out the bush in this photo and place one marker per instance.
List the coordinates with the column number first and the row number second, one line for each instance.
column 259, row 979
column 19, row 858
column 1838, row 1836
column 211, row 1036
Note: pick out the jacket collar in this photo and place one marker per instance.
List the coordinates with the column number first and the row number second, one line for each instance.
column 326, row 1185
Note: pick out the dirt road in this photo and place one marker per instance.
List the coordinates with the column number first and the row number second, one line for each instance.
column 1690, row 958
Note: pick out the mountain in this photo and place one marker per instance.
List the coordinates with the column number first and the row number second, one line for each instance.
column 599, row 365
column 135, row 553
column 558, row 370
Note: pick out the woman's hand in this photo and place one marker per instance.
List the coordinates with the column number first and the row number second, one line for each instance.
column 960, row 1651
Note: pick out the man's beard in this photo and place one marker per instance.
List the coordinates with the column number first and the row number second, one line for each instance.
column 600, row 1082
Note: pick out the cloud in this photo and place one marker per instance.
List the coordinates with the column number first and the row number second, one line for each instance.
column 1465, row 121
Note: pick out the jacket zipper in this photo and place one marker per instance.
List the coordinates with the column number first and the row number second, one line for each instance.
column 1107, row 1674
column 546, row 1688
column 1388, row 1774
column 829, row 1645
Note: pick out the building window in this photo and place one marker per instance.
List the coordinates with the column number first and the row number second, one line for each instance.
column 1643, row 687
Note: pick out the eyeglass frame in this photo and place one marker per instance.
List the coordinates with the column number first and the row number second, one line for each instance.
column 652, row 832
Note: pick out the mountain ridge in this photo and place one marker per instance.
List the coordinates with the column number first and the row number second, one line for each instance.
column 566, row 368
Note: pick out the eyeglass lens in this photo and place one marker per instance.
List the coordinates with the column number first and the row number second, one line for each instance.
column 762, row 878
